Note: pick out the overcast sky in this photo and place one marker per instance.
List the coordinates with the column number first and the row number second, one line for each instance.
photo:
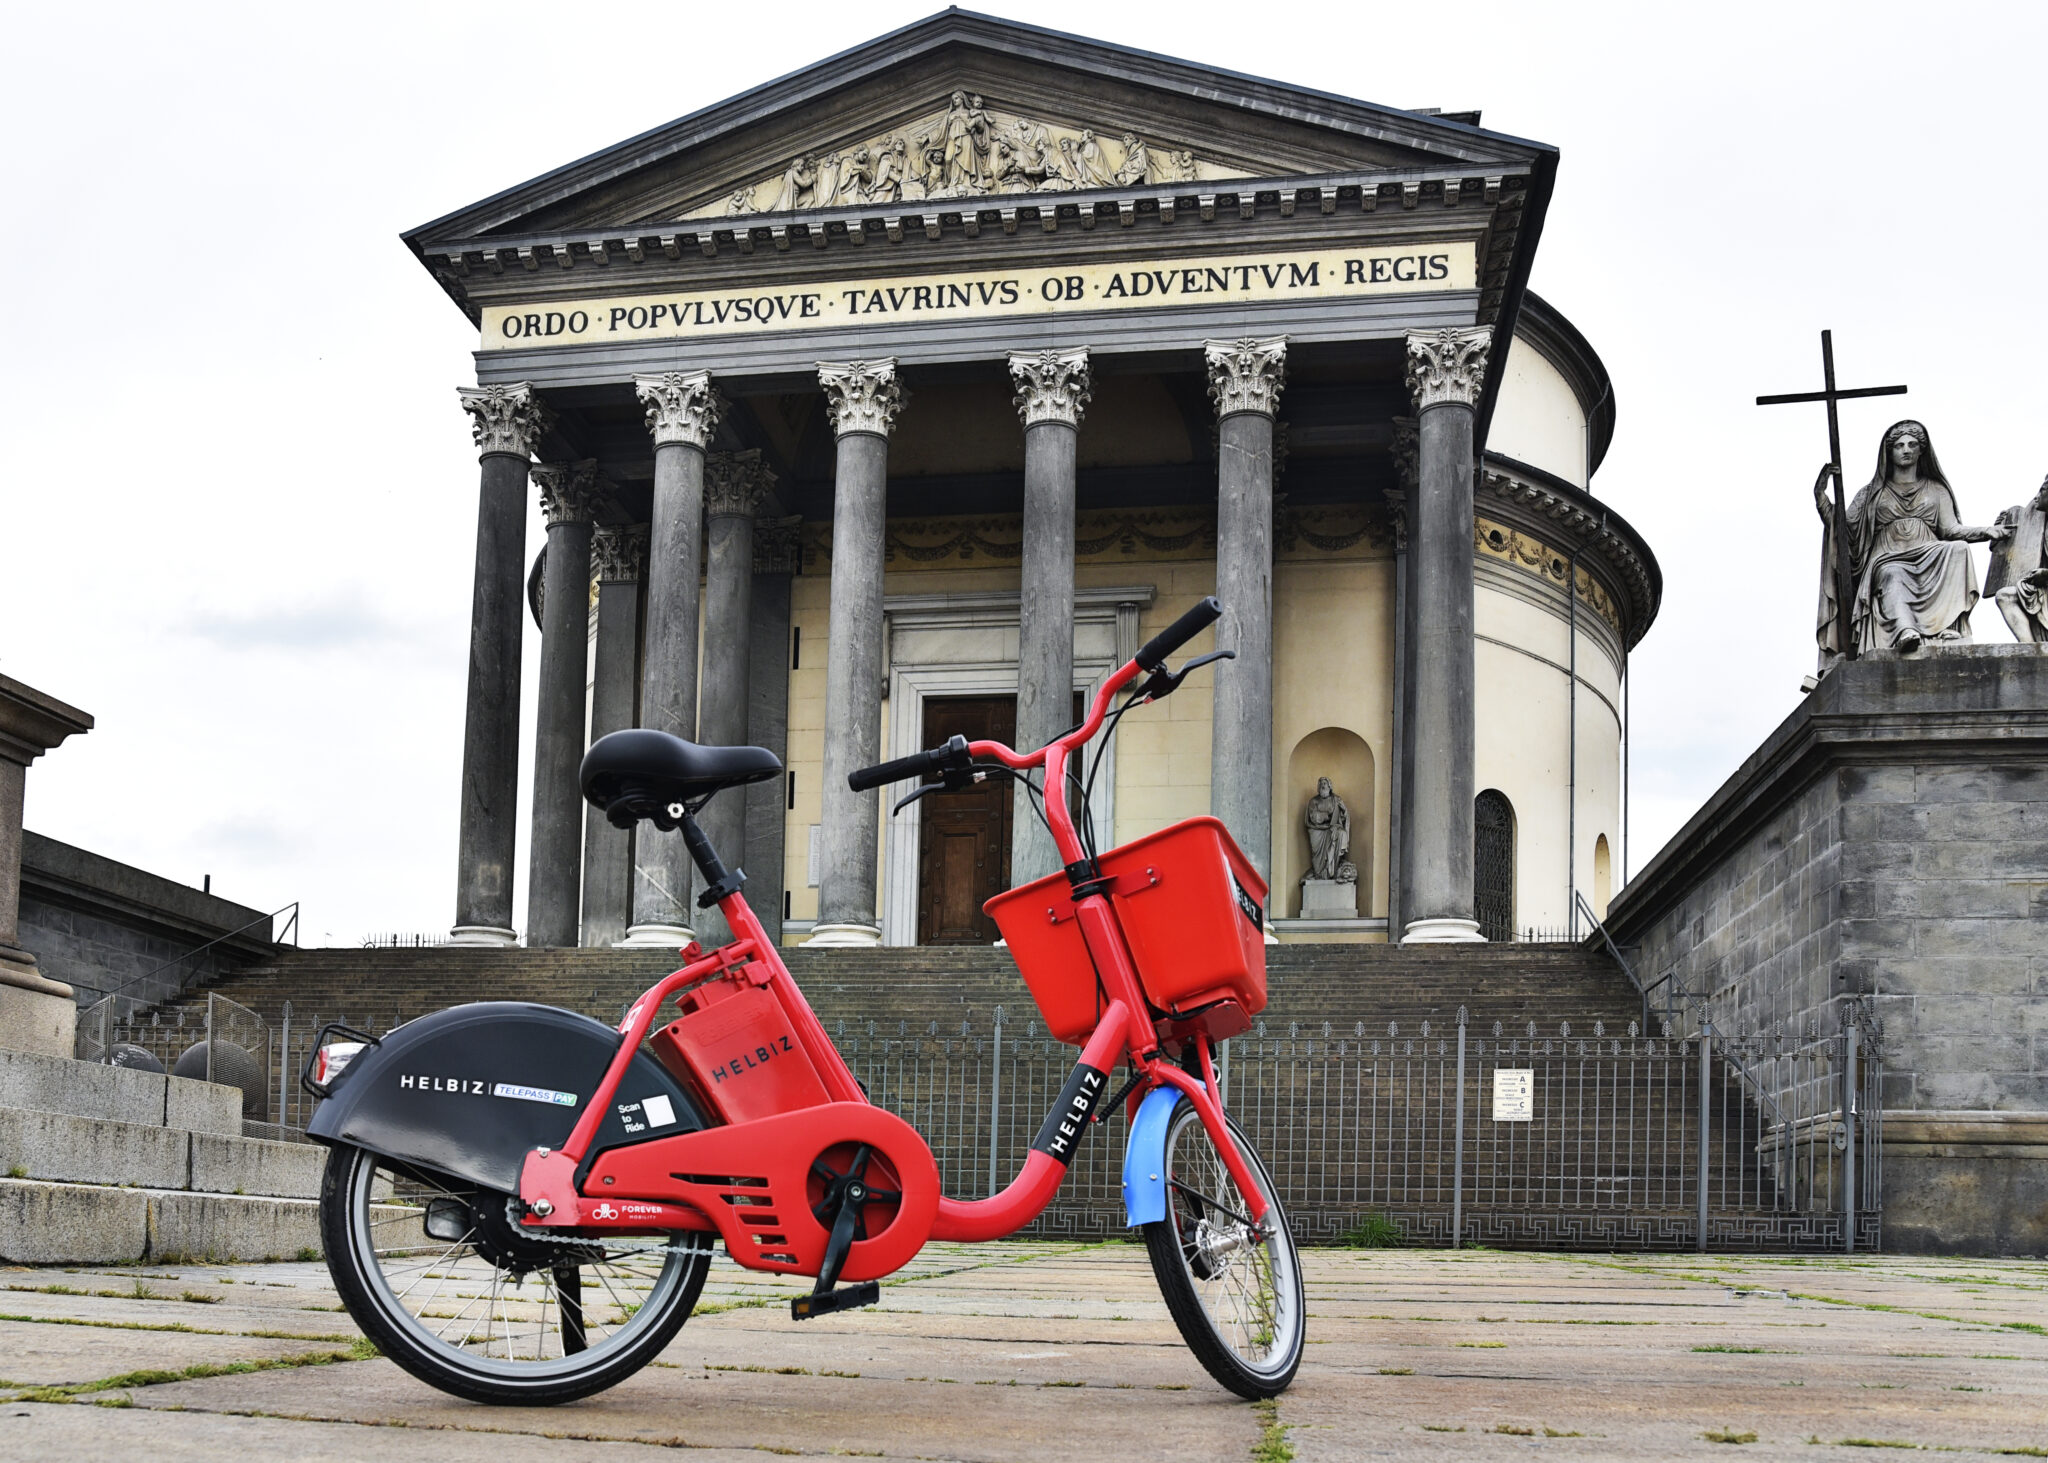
column 238, row 514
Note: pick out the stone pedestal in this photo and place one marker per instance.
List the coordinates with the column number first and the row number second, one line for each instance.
column 36, row 1014
column 1329, row 899
column 1883, row 856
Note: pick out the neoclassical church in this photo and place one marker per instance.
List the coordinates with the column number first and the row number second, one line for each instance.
column 908, row 394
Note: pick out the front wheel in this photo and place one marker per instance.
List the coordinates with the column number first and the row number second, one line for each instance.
column 1233, row 1288
column 439, row 1274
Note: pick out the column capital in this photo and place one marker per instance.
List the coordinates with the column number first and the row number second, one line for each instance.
column 682, row 406
column 1246, row 375
column 736, row 484
column 507, row 419
column 1447, row 366
column 569, row 491
column 1052, row 385
column 618, row 553
column 862, row 396
column 778, row 545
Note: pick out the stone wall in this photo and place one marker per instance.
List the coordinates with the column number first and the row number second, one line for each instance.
column 1886, row 851
column 102, row 926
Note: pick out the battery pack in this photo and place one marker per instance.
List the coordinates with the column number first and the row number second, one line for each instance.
column 736, row 1048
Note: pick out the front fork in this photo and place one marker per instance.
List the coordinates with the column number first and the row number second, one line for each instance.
column 1145, row 1174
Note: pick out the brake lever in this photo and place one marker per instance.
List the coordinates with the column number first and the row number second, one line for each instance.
column 953, row 780
column 1163, row 683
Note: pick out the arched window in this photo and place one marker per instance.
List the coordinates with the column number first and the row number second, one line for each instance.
column 1493, row 865
column 1603, row 876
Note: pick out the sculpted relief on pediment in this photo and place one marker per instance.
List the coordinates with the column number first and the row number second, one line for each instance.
column 965, row 149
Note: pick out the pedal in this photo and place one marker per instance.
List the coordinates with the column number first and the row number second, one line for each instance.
column 846, row 1298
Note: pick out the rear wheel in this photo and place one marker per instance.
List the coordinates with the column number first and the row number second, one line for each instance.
column 439, row 1274
column 1233, row 1288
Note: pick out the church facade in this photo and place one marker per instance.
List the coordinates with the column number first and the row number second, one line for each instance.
column 908, row 394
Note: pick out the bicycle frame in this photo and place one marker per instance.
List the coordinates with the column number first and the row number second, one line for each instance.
column 549, row 1183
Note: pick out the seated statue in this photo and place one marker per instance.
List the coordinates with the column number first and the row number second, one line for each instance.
column 1913, row 579
column 2019, row 569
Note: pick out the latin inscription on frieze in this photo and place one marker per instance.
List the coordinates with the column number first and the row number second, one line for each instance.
column 1144, row 285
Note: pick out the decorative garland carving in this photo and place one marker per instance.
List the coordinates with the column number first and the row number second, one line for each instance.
column 1502, row 542
column 1595, row 536
column 1326, row 529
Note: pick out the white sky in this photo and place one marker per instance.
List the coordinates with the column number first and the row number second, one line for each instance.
column 237, row 520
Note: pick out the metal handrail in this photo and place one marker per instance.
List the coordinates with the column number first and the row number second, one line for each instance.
column 1693, row 1004
column 291, row 928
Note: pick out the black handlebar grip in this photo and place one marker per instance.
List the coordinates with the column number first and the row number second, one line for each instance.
column 937, row 759
column 1154, row 652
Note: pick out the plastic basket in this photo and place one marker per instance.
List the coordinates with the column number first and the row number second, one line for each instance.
column 1193, row 913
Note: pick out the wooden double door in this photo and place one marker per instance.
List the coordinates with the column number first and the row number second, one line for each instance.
column 964, row 841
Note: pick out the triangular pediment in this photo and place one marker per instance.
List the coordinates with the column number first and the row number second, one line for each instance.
column 965, row 106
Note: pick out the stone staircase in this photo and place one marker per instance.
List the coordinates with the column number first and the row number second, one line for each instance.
column 110, row 1165
column 1307, row 985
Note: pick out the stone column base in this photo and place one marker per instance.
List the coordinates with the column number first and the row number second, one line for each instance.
column 844, row 936
column 656, row 937
column 1443, row 932
column 36, row 1014
column 483, row 935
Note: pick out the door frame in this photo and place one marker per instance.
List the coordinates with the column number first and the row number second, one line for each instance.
column 928, row 655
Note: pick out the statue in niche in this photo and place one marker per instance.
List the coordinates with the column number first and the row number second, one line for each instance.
column 1914, row 583
column 2019, row 569
column 1329, row 836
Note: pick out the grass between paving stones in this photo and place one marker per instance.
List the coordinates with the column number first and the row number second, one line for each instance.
column 178, row 1326
column 361, row 1350
column 139, row 1291
column 1272, row 1446
column 1727, row 1435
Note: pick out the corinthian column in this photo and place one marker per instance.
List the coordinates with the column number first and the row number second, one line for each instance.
column 1446, row 369
column 682, row 412
column 618, row 563
column 569, row 494
column 735, row 485
column 1245, row 378
column 862, row 399
column 1052, row 392
column 507, row 422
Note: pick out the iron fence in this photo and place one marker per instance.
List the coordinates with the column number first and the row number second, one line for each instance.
column 1485, row 1132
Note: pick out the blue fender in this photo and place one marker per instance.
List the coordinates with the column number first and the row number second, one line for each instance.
column 1145, row 1158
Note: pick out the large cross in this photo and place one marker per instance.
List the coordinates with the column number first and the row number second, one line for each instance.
column 1845, row 578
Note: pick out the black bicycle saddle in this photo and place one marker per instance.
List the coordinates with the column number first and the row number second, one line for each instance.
column 637, row 773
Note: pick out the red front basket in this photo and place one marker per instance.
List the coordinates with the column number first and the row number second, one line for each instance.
column 1193, row 912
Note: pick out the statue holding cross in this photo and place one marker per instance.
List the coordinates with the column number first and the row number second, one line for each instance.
column 1895, row 570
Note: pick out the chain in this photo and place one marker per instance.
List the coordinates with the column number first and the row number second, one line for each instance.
column 513, row 1208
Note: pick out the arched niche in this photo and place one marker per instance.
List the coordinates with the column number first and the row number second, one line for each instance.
column 1342, row 756
column 1603, row 876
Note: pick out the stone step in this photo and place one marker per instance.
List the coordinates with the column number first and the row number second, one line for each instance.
column 67, row 1148
column 46, row 1223
column 121, row 1094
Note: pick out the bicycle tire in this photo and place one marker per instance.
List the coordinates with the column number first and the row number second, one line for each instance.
column 1199, row 1258
column 355, row 1204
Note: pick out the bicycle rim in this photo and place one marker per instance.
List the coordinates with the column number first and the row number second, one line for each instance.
column 459, row 1287
column 1242, row 1295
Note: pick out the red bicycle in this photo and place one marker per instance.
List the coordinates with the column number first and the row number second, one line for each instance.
column 520, row 1201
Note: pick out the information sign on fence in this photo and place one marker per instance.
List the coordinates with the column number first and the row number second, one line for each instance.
column 1514, row 1094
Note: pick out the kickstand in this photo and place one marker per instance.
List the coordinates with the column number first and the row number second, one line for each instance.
column 840, row 1211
